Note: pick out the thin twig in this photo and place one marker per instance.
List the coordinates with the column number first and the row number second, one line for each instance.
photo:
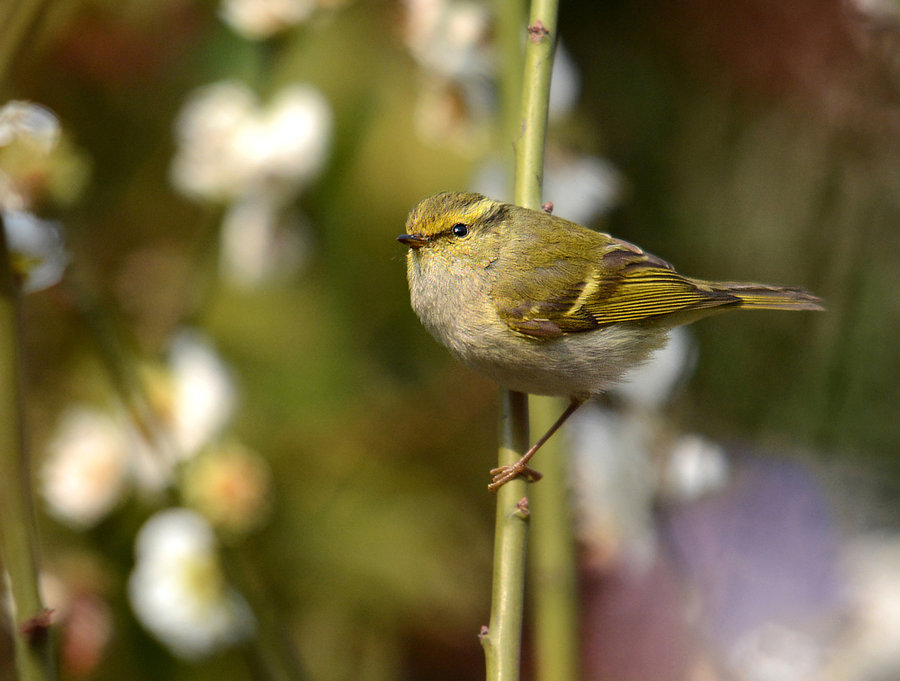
column 502, row 640
column 552, row 570
column 18, row 530
column 511, row 16
column 17, row 23
column 535, row 103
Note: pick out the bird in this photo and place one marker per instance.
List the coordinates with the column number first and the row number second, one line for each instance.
column 545, row 306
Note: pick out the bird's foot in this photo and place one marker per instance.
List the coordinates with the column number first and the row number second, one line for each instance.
column 504, row 474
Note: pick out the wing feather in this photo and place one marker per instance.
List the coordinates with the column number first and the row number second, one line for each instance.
column 575, row 295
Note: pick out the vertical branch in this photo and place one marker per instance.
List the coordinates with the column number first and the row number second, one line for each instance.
column 511, row 16
column 535, row 103
column 554, row 584
column 502, row 640
column 17, row 21
column 553, row 562
column 18, row 532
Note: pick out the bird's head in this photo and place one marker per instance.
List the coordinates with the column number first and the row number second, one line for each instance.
column 454, row 225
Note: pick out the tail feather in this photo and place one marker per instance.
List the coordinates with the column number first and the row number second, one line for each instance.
column 764, row 297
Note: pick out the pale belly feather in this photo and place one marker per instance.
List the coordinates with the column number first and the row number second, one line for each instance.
column 456, row 309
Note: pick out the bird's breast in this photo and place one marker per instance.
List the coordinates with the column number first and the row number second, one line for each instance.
column 452, row 302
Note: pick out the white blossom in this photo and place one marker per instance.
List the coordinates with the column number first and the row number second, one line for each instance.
column 36, row 246
column 32, row 122
column 258, row 19
column 204, row 166
column 614, row 488
column 882, row 11
column 775, row 652
column 204, row 396
column 177, row 588
column 86, row 472
column 565, row 83
column 96, row 455
column 651, row 384
column 449, row 37
column 259, row 243
column 229, row 146
column 37, row 250
column 695, row 466
column 37, row 163
column 581, row 188
column 231, row 486
column 872, row 646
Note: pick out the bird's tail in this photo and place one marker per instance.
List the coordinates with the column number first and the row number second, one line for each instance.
column 765, row 297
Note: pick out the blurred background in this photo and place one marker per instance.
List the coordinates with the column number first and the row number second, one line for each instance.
column 251, row 461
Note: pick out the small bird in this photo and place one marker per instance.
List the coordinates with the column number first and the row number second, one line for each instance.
column 545, row 306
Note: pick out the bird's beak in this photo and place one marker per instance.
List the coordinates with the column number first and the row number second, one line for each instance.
column 414, row 241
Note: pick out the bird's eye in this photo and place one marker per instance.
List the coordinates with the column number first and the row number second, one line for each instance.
column 459, row 230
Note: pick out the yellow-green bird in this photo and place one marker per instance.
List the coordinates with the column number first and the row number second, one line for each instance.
column 545, row 306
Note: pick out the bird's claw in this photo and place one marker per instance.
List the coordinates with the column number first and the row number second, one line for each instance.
column 504, row 474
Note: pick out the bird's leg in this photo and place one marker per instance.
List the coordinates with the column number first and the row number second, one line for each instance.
column 504, row 474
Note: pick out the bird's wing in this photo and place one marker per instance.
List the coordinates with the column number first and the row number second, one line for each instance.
column 617, row 283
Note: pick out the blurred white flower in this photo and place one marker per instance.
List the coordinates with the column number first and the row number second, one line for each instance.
column 37, row 250
column 229, row 146
column 205, row 166
column 38, row 164
column 565, row 83
column 582, row 188
column 86, row 472
column 651, row 384
column 449, row 37
column 38, row 254
column 288, row 141
column 618, row 454
column 177, row 588
column 451, row 41
column 614, row 486
column 259, row 244
column 231, row 486
column 36, row 124
column 204, row 396
column 96, row 455
column 886, row 11
column 694, row 467
column 11, row 199
column 871, row 649
column 775, row 652
column 258, row 19
column 453, row 113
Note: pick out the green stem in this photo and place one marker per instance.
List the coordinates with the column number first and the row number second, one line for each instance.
column 553, row 561
column 554, row 585
column 535, row 103
column 511, row 16
column 502, row 641
column 18, row 530
column 17, row 21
